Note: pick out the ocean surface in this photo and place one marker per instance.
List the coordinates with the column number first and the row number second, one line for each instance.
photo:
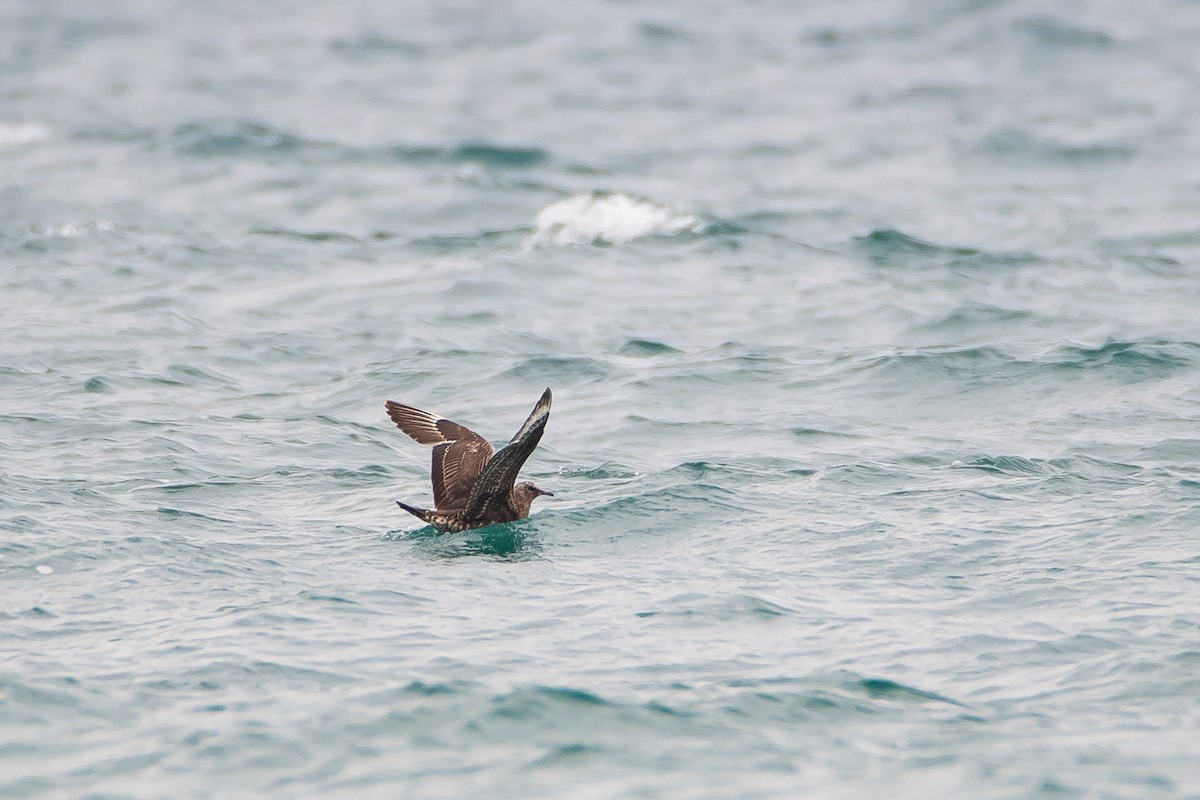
column 874, row 336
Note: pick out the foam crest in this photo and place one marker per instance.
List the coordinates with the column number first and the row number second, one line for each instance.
column 608, row 218
column 21, row 133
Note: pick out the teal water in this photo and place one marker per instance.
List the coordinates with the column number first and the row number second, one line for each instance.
column 874, row 333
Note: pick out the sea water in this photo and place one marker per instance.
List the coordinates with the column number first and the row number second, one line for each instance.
column 874, row 336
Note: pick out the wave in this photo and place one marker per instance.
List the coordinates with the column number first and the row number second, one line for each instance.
column 559, row 368
column 634, row 507
column 494, row 155
column 1009, row 143
column 706, row 609
column 71, row 230
column 941, row 359
column 1173, row 451
column 250, row 137
column 1085, row 468
column 890, row 247
column 608, row 218
column 1003, row 465
column 970, row 316
column 1057, row 34
column 987, row 365
column 1153, row 356
column 644, row 348
column 566, row 708
column 308, row 236
column 242, row 136
column 605, row 471
column 949, row 474
column 820, row 697
column 374, row 45
column 12, row 134
column 512, row 541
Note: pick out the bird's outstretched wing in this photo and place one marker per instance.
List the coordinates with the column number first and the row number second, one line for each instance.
column 459, row 453
column 491, row 490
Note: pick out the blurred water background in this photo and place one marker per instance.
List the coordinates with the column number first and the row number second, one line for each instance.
column 874, row 331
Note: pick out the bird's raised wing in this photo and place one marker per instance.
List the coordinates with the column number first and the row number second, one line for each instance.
column 459, row 453
column 491, row 490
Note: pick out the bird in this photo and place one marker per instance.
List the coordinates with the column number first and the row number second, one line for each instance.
column 473, row 486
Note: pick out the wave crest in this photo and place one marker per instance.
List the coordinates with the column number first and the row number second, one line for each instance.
column 22, row 133
column 608, row 218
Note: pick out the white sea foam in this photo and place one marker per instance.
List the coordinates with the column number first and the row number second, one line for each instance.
column 21, row 133
column 72, row 230
column 608, row 218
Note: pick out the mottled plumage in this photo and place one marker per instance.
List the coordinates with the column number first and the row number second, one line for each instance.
column 472, row 487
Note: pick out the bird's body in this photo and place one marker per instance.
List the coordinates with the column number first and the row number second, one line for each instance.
column 472, row 485
column 456, row 520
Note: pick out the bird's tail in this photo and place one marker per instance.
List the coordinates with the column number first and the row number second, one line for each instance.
column 423, row 513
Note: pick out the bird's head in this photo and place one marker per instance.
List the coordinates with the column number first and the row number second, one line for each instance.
column 527, row 492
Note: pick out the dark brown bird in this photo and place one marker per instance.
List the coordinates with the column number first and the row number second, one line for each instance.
column 471, row 486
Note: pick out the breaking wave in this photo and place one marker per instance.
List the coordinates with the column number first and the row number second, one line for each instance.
column 608, row 218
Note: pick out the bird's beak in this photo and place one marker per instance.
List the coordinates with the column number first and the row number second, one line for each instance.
column 548, row 494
